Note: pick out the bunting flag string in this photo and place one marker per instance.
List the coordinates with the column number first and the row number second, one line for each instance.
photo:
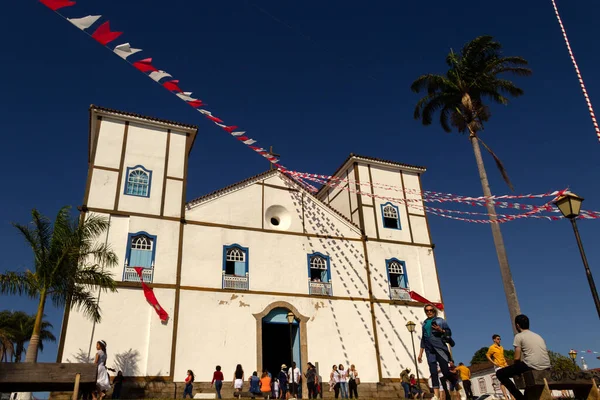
column 102, row 32
column 579, row 76
column 104, row 35
column 151, row 298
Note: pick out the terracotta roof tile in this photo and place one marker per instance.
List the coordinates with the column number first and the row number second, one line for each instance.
column 135, row 115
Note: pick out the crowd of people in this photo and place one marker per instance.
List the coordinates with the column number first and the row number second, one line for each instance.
column 530, row 354
column 287, row 383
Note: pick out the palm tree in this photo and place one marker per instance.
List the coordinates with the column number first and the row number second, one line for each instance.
column 6, row 345
column 472, row 77
column 70, row 258
column 20, row 325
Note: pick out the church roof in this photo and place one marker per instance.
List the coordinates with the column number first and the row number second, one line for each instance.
column 143, row 117
column 375, row 160
column 261, row 176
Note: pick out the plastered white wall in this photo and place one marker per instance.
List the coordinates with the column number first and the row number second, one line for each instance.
column 242, row 207
column 176, row 155
column 128, row 326
column 102, row 189
column 110, row 143
column 420, row 233
column 173, row 198
column 269, row 255
column 229, row 317
column 146, row 146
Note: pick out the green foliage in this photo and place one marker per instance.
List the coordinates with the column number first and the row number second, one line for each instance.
column 479, row 356
column 19, row 327
column 70, row 261
column 562, row 363
column 460, row 95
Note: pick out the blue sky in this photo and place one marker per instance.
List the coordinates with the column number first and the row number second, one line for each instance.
column 318, row 80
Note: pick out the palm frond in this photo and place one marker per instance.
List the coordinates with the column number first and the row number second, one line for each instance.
column 85, row 302
column 499, row 164
column 18, row 283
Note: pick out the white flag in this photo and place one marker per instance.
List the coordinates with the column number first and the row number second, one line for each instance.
column 125, row 50
column 158, row 75
column 85, row 22
column 185, row 97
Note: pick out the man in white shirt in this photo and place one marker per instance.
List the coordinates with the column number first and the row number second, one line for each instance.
column 294, row 379
column 530, row 354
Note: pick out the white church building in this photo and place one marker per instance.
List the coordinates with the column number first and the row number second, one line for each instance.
column 230, row 265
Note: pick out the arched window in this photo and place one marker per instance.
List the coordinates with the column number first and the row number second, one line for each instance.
column 391, row 216
column 236, row 260
column 138, row 181
column 319, row 274
column 318, row 268
column 140, row 252
column 397, row 273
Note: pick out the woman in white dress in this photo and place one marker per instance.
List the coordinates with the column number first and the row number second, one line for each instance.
column 102, row 381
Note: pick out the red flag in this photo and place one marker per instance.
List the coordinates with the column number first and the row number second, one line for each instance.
column 172, row 86
column 104, row 35
column 215, row 119
column 145, row 65
column 151, row 298
column 417, row 297
column 196, row 103
column 57, row 4
column 230, row 128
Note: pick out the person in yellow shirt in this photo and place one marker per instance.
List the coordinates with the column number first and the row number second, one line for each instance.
column 495, row 354
column 465, row 376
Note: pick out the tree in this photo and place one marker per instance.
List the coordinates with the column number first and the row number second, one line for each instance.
column 69, row 267
column 479, row 356
column 20, row 327
column 6, row 345
column 562, row 363
column 459, row 97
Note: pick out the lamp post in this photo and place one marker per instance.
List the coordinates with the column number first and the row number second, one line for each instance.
column 411, row 328
column 290, row 319
column 569, row 205
column 573, row 355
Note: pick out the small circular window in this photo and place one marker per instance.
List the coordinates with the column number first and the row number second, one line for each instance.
column 277, row 218
column 275, row 221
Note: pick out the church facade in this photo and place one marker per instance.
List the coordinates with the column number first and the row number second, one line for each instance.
column 255, row 273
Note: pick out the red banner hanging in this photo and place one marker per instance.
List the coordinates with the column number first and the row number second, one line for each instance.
column 149, row 294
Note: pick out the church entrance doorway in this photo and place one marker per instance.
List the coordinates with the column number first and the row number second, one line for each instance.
column 276, row 344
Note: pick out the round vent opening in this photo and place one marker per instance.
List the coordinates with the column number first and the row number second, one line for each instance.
column 278, row 218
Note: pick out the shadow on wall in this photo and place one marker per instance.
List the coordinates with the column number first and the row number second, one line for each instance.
column 127, row 362
column 321, row 223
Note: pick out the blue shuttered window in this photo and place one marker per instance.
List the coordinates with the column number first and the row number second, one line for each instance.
column 138, row 181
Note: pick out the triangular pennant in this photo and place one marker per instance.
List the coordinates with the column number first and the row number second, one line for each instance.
column 172, row 86
column 196, row 103
column 212, row 118
column 185, row 97
column 205, row 112
column 230, row 129
column 57, row 4
column 125, row 50
column 158, row 75
column 145, row 65
column 249, row 141
column 85, row 22
column 104, row 35
column 238, row 133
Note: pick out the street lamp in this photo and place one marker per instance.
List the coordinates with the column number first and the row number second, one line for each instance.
column 569, row 205
column 573, row 355
column 411, row 328
column 290, row 319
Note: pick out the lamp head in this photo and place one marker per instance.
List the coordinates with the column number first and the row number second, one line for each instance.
column 290, row 317
column 569, row 205
column 410, row 326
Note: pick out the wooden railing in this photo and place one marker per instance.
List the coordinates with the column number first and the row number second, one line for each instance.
column 399, row 294
column 129, row 275
column 320, row 288
column 235, row 282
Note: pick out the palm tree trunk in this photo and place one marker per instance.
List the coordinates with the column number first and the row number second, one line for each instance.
column 32, row 348
column 509, row 286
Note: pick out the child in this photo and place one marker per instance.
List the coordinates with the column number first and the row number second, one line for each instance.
column 276, row 388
